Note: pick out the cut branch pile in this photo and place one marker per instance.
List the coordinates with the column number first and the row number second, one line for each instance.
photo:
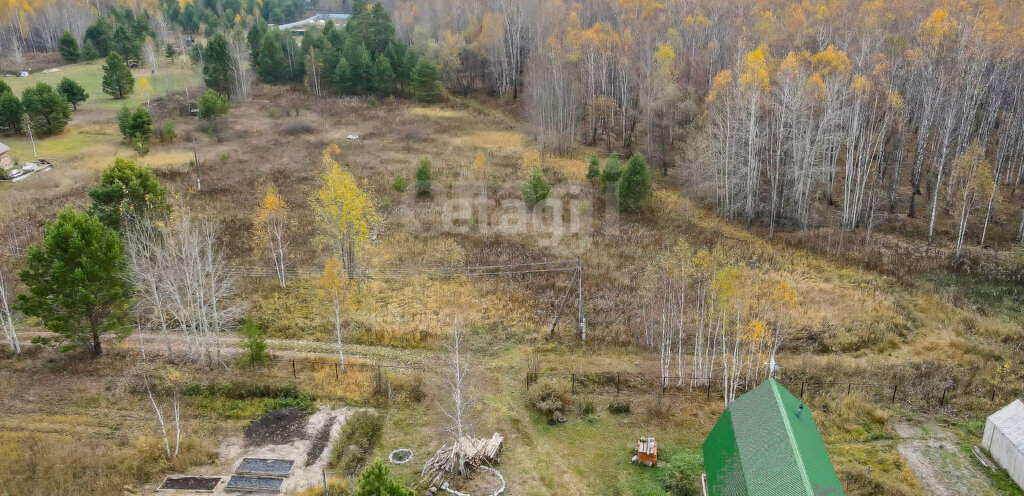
column 472, row 451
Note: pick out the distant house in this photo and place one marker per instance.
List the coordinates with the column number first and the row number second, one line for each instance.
column 6, row 161
column 1004, row 439
column 299, row 27
column 766, row 444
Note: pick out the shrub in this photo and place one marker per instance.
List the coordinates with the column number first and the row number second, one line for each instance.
column 682, row 482
column 356, row 442
column 296, row 128
column 213, row 105
column 399, row 184
column 424, row 178
column 586, row 408
column 68, row 48
column 255, row 343
column 535, row 189
column 612, row 171
column 634, row 185
column 376, row 480
column 168, row 133
column 548, row 398
column 373, row 101
column 72, row 92
column 621, row 406
column 48, row 111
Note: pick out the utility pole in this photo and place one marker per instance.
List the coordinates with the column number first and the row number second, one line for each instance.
column 195, row 159
column 579, row 298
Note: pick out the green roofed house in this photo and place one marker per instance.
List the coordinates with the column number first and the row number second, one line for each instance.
column 766, row 444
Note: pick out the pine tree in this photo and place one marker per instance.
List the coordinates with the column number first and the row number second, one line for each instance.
column 125, row 188
column 425, row 84
column 118, row 81
column 343, row 78
column 217, row 65
column 77, row 280
column 383, row 76
column 424, row 178
column 48, row 111
column 68, row 48
column 593, row 168
column 612, row 171
column 10, row 113
column 634, row 185
column 535, row 189
column 72, row 92
column 376, row 480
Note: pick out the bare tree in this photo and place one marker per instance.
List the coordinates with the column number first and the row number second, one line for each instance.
column 460, row 423
column 241, row 74
column 150, row 274
column 6, row 295
column 163, row 424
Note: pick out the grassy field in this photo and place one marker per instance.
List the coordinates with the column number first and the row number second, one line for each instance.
column 168, row 76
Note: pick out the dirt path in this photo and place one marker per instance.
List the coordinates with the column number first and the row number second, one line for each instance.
column 279, row 348
column 933, row 454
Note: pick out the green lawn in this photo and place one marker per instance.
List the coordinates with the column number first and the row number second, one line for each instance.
column 64, row 145
column 90, row 76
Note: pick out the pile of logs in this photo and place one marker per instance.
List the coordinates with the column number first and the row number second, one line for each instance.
column 472, row 452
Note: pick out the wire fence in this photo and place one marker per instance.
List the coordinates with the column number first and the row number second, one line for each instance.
column 909, row 394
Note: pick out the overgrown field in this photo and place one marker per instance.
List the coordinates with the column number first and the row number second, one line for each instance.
column 927, row 330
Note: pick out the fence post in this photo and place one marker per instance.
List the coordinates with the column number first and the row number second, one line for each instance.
column 294, row 375
column 849, row 388
column 942, row 402
column 617, row 390
column 894, row 386
column 573, row 383
column 802, row 388
column 336, row 366
column 709, row 388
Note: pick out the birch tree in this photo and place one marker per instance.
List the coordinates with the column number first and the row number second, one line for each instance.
column 334, row 285
column 7, row 288
column 270, row 225
column 345, row 215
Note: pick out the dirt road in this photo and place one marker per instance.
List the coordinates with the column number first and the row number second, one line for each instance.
column 933, row 454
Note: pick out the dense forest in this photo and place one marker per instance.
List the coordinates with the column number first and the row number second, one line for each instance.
column 778, row 111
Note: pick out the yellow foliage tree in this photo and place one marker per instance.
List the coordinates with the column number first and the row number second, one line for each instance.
column 269, row 226
column 345, row 215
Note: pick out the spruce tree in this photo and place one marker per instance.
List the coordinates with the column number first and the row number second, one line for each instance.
column 118, row 81
column 376, row 480
column 612, row 171
column 425, row 84
column 634, row 185
column 68, row 48
column 89, row 51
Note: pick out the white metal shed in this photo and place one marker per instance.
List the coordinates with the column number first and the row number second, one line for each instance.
column 1004, row 439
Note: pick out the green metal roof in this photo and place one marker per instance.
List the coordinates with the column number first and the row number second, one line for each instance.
column 760, row 447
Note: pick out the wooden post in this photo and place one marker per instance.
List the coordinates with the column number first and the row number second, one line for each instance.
column 573, row 383
column 802, row 381
column 942, row 402
column 849, row 387
column 294, row 375
column 709, row 388
column 617, row 388
column 894, row 386
column 336, row 367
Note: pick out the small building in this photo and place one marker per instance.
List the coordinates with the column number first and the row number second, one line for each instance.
column 1004, row 439
column 767, row 444
column 647, row 451
column 6, row 161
